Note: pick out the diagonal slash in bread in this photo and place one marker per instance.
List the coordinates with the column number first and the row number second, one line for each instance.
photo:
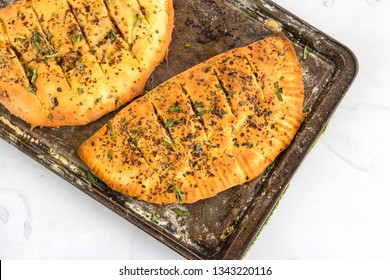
column 69, row 62
column 212, row 127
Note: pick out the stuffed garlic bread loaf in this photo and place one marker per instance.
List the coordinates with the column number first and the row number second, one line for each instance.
column 70, row 62
column 212, row 127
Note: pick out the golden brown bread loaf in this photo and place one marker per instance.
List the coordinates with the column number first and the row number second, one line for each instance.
column 71, row 62
column 212, row 127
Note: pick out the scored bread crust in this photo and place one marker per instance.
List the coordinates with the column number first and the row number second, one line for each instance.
column 71, row 62
column 215, row 126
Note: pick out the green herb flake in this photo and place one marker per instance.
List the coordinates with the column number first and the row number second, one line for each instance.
column 110, row 154
column 133, row 141
column 26, row 44
column 171, row 122
column 175, row 109
column 201, row 113
column 28, row 71
column 249, row 143
column 155, row 217
column 34, row 75
column 109, row 126
column 91, row 177
column 187, row 46
column 80, row 171
column 35, row 35
column 203, row 212
column 80, row 90
column 134, row 131
column 77, row 38
column 208, row 143
column 218, row 86
column 267, row 113
column 278, row 91
column 253, row 14
column 137, row 16
column 198, row 105
column 54, row 55
column 180, row 212
column 198, row 148
column 168, row 140
column 179, row 195
column 35, row 39
column 205, row 112
column 305, row 52
column 111, row 34
column 230, row 95
column 241, row 104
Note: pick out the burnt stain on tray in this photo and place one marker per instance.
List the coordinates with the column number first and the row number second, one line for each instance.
column 222, row 227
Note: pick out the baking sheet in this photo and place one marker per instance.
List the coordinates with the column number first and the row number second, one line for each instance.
column 222, row 227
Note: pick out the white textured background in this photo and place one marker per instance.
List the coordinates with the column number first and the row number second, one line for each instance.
column 337, row 206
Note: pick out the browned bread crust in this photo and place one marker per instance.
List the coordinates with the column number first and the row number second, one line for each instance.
column 71, row 62
column 212, row 127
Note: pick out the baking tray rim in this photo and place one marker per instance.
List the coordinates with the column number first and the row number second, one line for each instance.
column 347, row 69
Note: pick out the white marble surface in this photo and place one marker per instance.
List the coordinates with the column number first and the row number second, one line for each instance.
column 337, row 206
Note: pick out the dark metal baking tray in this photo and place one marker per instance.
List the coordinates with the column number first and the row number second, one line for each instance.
column 222, row 227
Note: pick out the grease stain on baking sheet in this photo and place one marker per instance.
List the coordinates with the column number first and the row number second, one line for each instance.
column 274, row 24
column 4, row 213
column 15, row 128
column 59, row 168
column 18, row 132
column 168, row 220
column 168, row 217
